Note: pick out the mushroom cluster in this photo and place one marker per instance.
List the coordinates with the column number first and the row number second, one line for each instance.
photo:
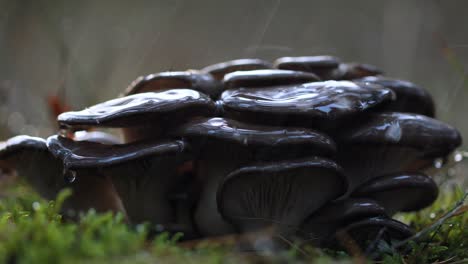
column 305, row 147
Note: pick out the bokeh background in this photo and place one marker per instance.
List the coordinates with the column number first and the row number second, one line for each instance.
column 88, row 51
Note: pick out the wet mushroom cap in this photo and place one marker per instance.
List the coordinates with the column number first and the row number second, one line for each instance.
column 19, row 143
column 431, row 137
column 218, row 70
column 202, row 82
column 370, row 229
column 337, row 214
column 350, row 71
column 266, row 140
column 269, row 77
column 316, row 104
column 85, row 154
column 410, row 97
column 345, row 211
column 401, row 192
column 143, row 173
column 320, row 65
column 280, row 193
column 163, row 107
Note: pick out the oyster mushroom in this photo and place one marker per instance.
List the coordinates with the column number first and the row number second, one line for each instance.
column 321, row 105
column 143, row 173
column 385, row 143
column 279, row 194
column 410, row 97
column 194, row 80
column 369, row 230
column 259, row 78
column 218, row 70
column 224, row 145
column 414, row 191
column 32, row 160
column 143, row 115
column 333, row 216
column 323, row 66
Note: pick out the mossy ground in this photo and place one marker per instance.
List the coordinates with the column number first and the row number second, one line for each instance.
column 32, row 231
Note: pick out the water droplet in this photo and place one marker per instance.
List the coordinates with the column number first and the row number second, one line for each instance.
column 69, row 175
column 36, row 206
column 438, row 163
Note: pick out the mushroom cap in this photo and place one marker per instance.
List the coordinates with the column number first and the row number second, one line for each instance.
column 218, row 70
column 338, row 214
column 91, row 155
column 272, row 140
column 401, row 192
column 97, row 136
column 166, row 106
column 317, row 104
column 410, row 97
column 431, row 137
column 350, row 71
column 194, row 80
column 307, row 63
column 21, row 143
column 369, row 230
column 268, row 77
column 281, row 194
column 32, row 160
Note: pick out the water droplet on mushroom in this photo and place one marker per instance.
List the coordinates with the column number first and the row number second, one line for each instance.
column 458, row 157
column 69, row 175
column 438, row 163
column 63, row 132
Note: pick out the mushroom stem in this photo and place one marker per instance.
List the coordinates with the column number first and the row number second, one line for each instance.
column 215, row 163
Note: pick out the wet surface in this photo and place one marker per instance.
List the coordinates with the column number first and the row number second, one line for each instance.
column 428, row 135
column 140, row 109
column 313, row 103
column 258, row 78
column 201, row 82
column 84, row 154
column 250, row 135
column 410, row 97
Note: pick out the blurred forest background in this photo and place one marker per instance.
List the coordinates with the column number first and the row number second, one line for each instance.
column 89, row 51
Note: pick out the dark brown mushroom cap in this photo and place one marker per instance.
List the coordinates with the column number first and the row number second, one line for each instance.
column 350, row 71
column 307, row 63
column 218, row 70
column 279, row 141
column 167, row 106
column 316, row 104
column 194, row 80
column 91, row 155
column 21, row 143
column 370, row 229
column 32, row 160
column 410, row 97
column 269, row 77
column 338, row 214
column 431, row 137
column 400, row 192
column 281, row 194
